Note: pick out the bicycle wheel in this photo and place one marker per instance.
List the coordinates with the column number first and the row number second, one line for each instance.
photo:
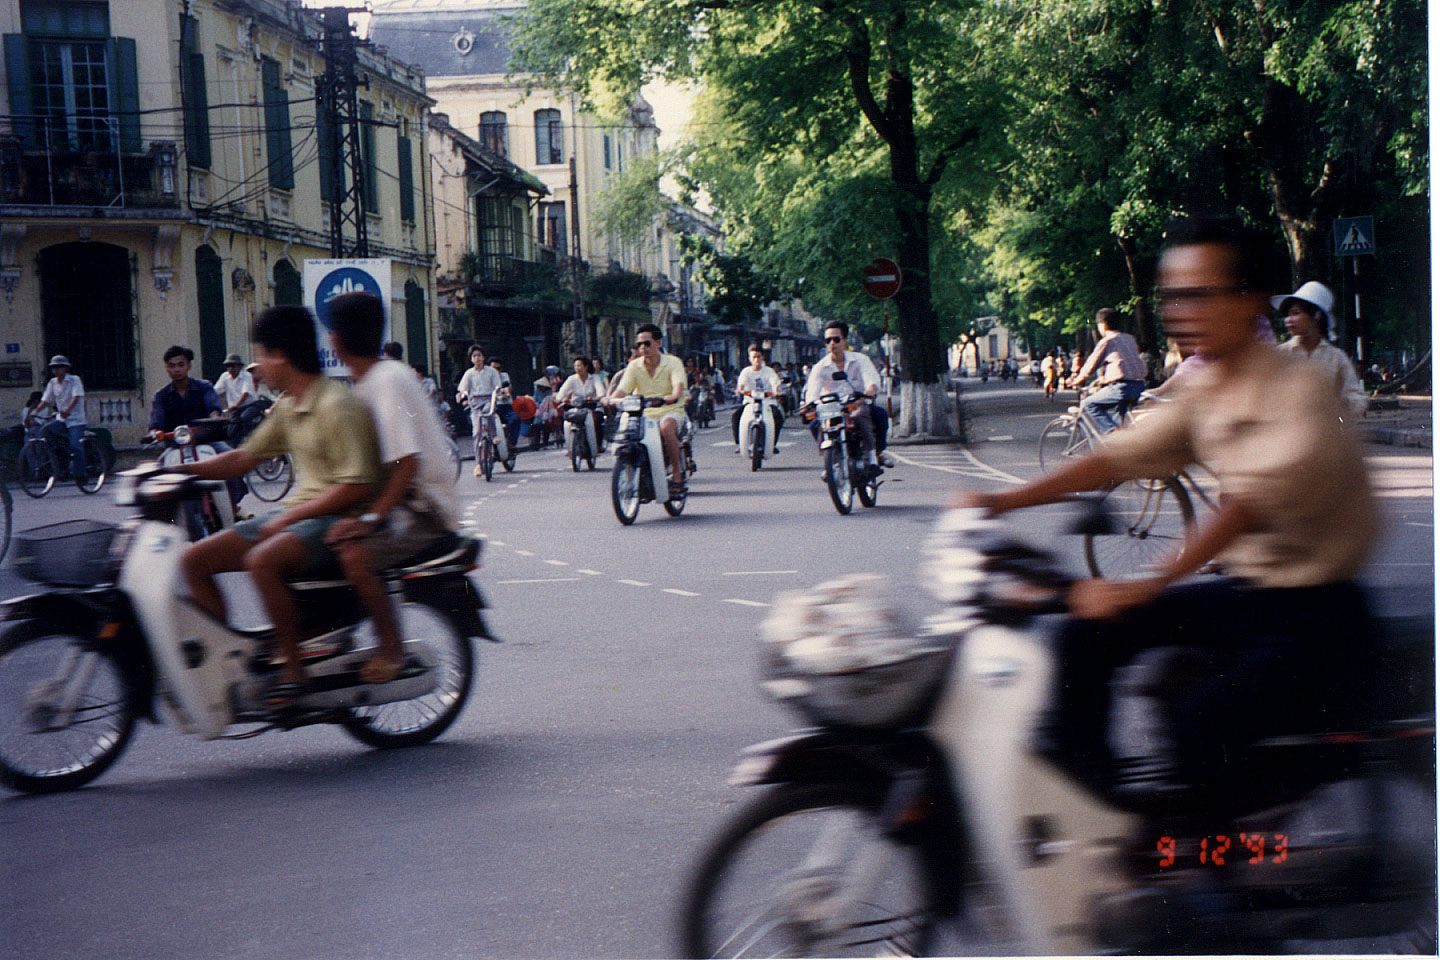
column 271, row 479
column 94, row 476
column 1151, row 519
column 1062, row 440
column 6, row 508
column 487, row 458
column 37, row 468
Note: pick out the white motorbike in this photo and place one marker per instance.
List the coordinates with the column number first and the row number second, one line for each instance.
column 209, row 512
column 916, row 795
column 640, row 474
column 757, row 426
column 78, row 667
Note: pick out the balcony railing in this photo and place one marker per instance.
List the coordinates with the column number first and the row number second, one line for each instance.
column 47, row 171
column 500, row 276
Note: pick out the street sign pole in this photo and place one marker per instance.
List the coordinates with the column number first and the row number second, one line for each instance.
column 1354, row 237
column 885, row 312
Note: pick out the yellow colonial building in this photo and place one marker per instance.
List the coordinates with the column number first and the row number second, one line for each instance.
column 161, row 182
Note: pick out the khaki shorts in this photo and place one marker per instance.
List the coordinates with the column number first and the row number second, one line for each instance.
column 409, row 531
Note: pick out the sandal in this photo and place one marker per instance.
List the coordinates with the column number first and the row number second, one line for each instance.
column 381, row 669
column 282, row 695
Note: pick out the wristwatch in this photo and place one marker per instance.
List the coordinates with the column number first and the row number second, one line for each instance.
column 374, row 520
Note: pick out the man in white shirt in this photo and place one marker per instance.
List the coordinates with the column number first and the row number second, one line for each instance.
column 861, row 377
column 416, row 503
column 477, row 387
column 235, row 387
column 66, row 394
column 761, row 378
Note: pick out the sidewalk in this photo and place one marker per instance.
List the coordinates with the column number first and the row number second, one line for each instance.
column 1410, row 423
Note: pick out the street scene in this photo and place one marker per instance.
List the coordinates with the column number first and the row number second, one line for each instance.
column 679, row 478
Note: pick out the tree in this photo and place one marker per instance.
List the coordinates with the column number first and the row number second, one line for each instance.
column 804, row 78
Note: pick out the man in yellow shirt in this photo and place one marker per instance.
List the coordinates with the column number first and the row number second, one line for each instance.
column 331, row 439
column 658, row 374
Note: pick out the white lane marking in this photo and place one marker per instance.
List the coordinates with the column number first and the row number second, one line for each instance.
column 590, row 573
column 511, row 486
column 1005, row 437
column 525, row 553
column 543, row 580
column 467, row 523
column 746, row 603
column 755, row 573
column 723, row 443
column 680, row 593
column 1417, row 523
column 786, row 443
column 634, row 583
column 557, row 563
column 497, row 543
column 985, row 470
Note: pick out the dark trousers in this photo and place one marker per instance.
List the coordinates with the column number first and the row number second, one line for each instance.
column 879, row 428
column 1276, row 661
column 735, row 421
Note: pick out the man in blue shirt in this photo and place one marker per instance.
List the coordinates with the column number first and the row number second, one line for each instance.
column 188, row 398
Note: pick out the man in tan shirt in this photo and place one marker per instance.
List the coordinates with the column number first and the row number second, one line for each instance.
column 1288, row 630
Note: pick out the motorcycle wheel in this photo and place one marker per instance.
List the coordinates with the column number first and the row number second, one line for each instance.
column 192, row 518
column 1394, row 909
column 764, row 886
column 39, row 663
column 869, row 491
column 757, row 447
column 509, row 462
column 409, row 723
column 574, row 454
column 454, row 458
column 625, row 491
column 1151, row 520
column 487, row 460
column 675, row 505
column 837, row 479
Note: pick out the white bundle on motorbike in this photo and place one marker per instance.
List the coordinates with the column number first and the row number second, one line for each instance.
column 842, row 652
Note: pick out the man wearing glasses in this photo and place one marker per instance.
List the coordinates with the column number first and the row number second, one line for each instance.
column 653, row 374
column 860, row 377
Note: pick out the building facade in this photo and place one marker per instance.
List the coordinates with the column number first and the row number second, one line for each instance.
column 161, row 182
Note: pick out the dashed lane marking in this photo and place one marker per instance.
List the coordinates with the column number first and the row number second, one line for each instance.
column 591, row 573
column 681, row 593
column 525, row 553
column 557, row 563
column 755, row 573
column 634, row 583
column 542, row 580
column 746, row 603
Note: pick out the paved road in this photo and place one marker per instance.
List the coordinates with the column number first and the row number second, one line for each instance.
column 559, row 817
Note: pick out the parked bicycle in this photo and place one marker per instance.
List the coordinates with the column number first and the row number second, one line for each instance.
column 40, row 463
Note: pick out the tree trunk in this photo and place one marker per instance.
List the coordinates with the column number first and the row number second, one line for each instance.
column 1139, row 296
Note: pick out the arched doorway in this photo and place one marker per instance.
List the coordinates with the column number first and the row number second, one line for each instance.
column 287, row 285
column 86, row 308
column 210, row 305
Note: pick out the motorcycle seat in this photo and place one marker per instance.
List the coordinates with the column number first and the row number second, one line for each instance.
column 450, row 554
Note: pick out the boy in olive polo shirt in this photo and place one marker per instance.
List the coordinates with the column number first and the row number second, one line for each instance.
column 330, row 436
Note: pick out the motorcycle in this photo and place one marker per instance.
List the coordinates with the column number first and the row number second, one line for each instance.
column 79, row 666
column 641, row 474
column 916, row 796
column 580, row 439
column 757, row 427
column 849, row 472
column 702, row 403
column 208, row 512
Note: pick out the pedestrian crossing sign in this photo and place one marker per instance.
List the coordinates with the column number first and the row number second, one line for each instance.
column 1354, row 236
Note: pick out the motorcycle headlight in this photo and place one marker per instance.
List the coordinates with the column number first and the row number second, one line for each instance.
column 183, row 436
column 632, row 404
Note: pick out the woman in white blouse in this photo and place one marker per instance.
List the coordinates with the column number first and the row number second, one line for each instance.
column 1307, row 320
column 580, row 386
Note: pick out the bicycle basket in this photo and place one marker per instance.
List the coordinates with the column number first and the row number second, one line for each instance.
column 76, row 553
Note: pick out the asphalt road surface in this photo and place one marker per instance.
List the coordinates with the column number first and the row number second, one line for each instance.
column 562, row 814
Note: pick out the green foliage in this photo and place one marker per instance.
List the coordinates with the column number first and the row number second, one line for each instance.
column 736, row 289
column 631, row 205
column 617, row 286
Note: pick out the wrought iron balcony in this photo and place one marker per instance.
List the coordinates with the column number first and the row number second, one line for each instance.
column 502, row 277
column 57, row 178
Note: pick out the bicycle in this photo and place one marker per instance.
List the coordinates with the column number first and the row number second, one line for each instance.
column 271, row 479
column 40, row 465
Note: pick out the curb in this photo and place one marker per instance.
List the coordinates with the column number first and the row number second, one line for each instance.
column 1390, row 436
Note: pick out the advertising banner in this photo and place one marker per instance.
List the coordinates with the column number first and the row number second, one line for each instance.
column 324, row 280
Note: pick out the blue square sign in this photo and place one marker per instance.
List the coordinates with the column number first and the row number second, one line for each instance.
column 12, row 348
column 1354, row 236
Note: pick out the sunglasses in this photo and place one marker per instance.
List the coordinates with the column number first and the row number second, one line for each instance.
column 642, row 344
column 834, row 339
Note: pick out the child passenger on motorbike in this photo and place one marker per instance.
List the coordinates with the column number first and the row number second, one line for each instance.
column 330, row 436
column 1289, row 632
column 416, row 503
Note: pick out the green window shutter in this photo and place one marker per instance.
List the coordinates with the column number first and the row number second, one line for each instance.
column 407, row 179
column 277, row 127
column 125, row 91
column 416, row 335
column 324, row 131
column 370, row 187
column 196, row 100
column 17, row 75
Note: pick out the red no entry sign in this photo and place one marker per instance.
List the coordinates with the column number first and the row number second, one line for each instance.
column 882, row 279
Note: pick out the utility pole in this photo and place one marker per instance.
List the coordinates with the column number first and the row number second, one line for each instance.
column 577, row 339
column 337, row 114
